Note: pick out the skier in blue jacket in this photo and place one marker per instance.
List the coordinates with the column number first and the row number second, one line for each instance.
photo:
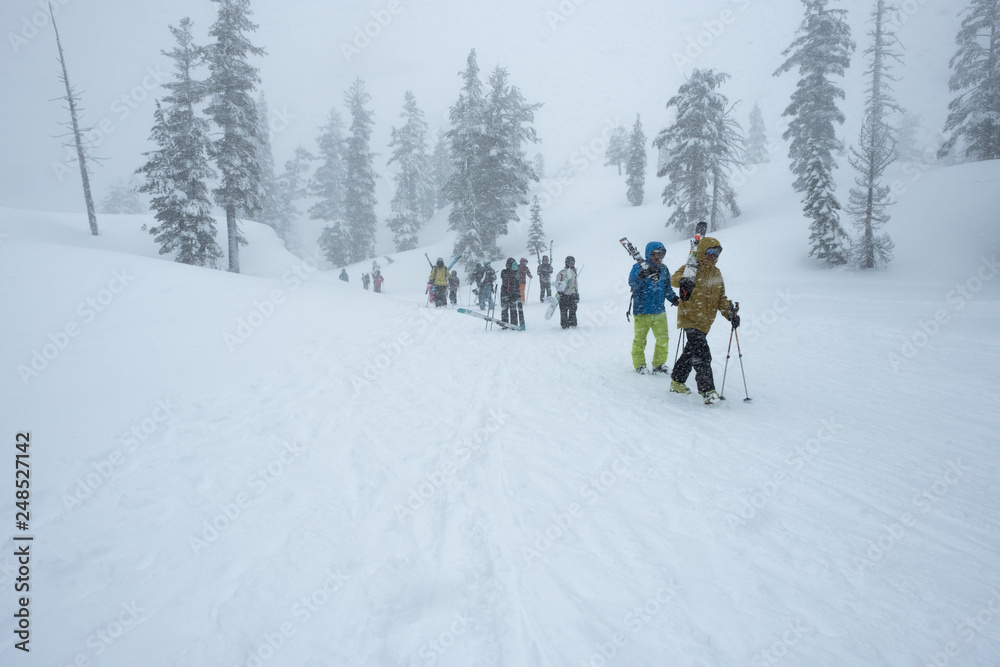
column 650, row 291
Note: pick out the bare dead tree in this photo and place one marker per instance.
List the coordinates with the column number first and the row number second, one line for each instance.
column 81, row 152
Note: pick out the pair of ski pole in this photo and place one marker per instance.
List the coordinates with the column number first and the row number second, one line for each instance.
column 732, row 332
column 725, row 371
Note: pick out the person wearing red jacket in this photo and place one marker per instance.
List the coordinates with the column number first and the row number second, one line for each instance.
column 523, row 273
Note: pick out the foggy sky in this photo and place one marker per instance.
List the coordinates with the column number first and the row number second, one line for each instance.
column 590, row 62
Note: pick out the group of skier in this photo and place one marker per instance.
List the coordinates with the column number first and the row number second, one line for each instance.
column 514, row 279
column 696, row 309
column 702, row 295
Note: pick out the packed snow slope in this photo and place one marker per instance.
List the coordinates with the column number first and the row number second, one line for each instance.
column 278, row 468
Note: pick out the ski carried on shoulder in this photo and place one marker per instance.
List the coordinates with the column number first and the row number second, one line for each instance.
column 646, row 266
column 501, row 323
column 686, row 284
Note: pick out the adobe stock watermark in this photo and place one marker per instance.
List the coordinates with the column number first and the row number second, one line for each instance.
column 391, row 348
column 31, row 25
column 304, row 609
column 121, row 108
column 264, row 309
column 229, row 512
column 87, row 485
column 87, row 310
column 564, row 523
column 762, row 322
column 893, row 533
column 127, row 619
column 579, row 161
column 756, row 499
column 930, row 327
column 562, row 13
column 437, row 479
column 370, row 30
column 634, row 622
column 904, row 11
column 971, row 626
column 710, row 31
column 590, row 323
column 433, row 649
column 781, row 647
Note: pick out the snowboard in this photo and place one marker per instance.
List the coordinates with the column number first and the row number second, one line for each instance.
column 505, row 325
column 553, row 302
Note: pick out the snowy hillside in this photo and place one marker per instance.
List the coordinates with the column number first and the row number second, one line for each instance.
column 283, row 469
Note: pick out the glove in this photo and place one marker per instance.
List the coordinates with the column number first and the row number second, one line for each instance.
column 686, row 287
column 674, row 301
column 734, row 319
column 650, row 273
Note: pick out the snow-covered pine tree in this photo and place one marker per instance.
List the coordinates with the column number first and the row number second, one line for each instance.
column 468, row 151
column 756, row 152
column 876, row 147
column 360, row 221
column 911, row 139
column 635, row 166
column 291, row 186
column 701, row 147
column 822, row 49
column 536, row 232
column 538, row 163
column 974, row 115
column 441, row 161
column 414, row 200
column 328, row 181
column 507, row 170
column 616, row 153
column 122, row 197
column 178, row 170
column 231, row 82
column 270, row 197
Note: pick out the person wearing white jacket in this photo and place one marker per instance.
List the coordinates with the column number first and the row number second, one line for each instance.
column 569, row 295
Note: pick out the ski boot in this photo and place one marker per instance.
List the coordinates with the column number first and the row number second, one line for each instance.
column 642, row 370
column 710, row 396
column 661, row 370
column 679, row 387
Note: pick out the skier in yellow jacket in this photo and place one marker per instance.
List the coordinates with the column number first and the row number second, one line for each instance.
column 695, row 317
column 439, row 279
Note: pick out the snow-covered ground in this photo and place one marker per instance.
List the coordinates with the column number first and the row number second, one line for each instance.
column 278, row 468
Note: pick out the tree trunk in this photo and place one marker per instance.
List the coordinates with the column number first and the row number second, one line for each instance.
column 81, row 154
column 234, row 238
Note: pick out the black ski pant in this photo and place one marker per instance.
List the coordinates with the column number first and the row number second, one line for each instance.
column 511, row 311
column 546, row 290
column 567, row 310
column 696, row 355
column 440, row 295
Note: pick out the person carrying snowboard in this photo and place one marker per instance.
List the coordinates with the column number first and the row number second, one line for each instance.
column 569, row 294
column 650, row 292
column 545, row 278
column 511, row 310
column 453, row 285
column 695, row 317
column 439, row 282
column 484, row 285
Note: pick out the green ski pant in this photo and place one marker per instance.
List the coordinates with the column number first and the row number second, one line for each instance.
column 661, row 332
